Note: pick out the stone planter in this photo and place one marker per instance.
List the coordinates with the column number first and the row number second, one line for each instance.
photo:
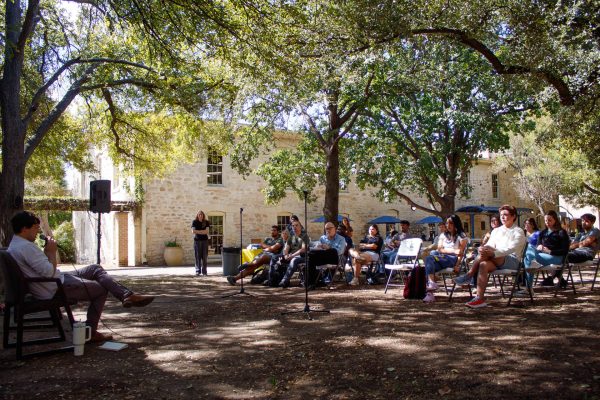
column 173, row 256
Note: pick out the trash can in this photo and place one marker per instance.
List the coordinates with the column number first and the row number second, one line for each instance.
column 231, row 260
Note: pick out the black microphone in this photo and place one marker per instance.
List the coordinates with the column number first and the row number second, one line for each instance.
column 45, row 239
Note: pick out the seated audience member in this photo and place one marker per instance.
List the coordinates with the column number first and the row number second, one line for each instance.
column 552, row 245
column 346, row 223
column 502, row 251
column 403, row 234
column 290, row 227
column 349, row 229
column 367, row 252
column 586, row 244
column 293, row 254
column 272, row 246
column 90, row 283
column 494, row 223
column 390, row 247
column 449, row 254
column 532, row 232
column 431, row 249
column 327, row 251
column 342, row 231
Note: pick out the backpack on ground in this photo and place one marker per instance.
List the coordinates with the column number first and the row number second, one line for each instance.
column 276, row 272
column 260, row 275
column 414, row 285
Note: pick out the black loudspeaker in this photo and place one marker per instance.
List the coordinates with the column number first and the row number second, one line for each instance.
column 100, row 196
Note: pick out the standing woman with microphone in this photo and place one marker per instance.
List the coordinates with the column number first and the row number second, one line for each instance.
column 200, row 227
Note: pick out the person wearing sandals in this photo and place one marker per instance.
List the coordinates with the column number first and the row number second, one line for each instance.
column 367, row 252
column 450, row 250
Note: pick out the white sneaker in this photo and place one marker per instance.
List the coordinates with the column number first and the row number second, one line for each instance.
column 354, row 282
column 432, row 286
column 429, row 298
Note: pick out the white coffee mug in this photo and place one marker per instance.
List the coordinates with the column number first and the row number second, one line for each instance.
column 81, row 334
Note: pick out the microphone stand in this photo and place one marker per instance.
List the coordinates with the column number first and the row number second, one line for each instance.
column 241, row 273
column 306, row 310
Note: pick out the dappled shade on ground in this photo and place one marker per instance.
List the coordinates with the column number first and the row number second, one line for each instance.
column 192, row 343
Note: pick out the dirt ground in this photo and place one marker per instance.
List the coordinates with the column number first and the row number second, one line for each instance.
column 192, row 343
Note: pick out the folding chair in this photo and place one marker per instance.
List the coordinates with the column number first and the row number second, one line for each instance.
column 551, row 269
column 406, row 259
column 448, row 273
column 517, row 276
column 594, row 265
column 332, row 269
column 19, row 301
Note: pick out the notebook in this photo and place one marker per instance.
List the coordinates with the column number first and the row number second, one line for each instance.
column 113, row 346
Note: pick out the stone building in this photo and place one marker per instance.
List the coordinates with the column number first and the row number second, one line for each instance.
column 170, row 204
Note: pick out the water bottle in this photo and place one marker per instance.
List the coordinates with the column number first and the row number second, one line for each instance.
column 349, row 273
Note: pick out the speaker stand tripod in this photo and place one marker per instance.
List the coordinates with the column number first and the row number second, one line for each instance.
column 242, row 291
column 306, row 310
column 99, row 237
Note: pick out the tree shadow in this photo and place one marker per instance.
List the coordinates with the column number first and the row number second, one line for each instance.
column 192, row 343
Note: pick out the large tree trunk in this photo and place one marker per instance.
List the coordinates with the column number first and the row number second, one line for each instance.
column 447, row 206
column 11, row 196
column 12, row 177
column 332, row 184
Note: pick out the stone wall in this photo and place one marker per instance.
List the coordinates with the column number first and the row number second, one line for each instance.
column 171, row 204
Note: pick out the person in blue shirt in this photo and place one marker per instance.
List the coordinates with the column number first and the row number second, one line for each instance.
column 532, row 231
column 327, row 251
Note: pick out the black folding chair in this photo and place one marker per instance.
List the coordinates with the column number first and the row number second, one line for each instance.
column 20, row 303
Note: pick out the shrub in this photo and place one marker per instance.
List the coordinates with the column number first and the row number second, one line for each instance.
column 172, row 243
column 64, row 235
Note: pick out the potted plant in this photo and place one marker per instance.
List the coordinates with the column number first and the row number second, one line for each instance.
column 173, row 253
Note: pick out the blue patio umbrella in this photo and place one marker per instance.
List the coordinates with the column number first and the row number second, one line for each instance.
column 432, row 219
column 322, row 218
column 385, row 219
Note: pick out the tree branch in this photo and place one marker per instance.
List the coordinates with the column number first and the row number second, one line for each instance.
column 566, row 97
column 35, row 101
column 591, row 189
column 56, row 112
column 113, row 123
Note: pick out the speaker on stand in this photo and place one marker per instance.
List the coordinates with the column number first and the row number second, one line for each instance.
column 99, row 203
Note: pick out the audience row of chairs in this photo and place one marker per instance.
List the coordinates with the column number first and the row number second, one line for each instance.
column 20, row 304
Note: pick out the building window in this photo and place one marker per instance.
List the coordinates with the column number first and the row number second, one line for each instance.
column 215, row 233
column 495, row 186
column 283, row 221
column 466, row 227
column 214, row 168
column 466, row 187
column 483, row 225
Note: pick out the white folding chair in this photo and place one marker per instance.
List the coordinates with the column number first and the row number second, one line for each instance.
column 406, row 259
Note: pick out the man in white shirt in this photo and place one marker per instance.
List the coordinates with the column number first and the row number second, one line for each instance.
column 89, row 283
column 502, row 251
